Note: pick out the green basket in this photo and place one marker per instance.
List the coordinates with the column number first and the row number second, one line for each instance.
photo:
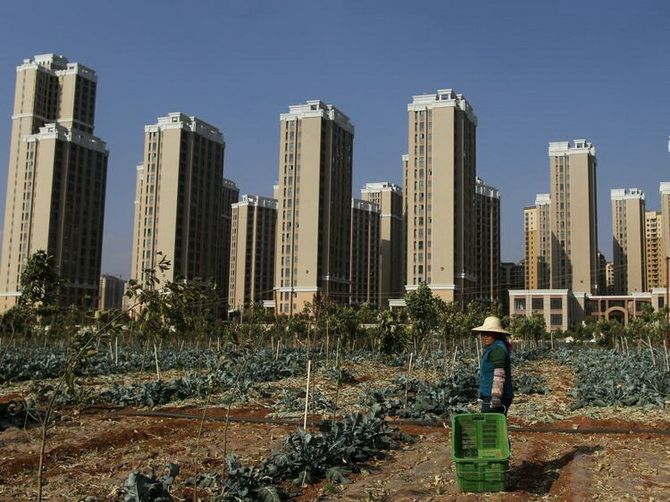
column 480, row 450
column 481, row 476
column 479, row 436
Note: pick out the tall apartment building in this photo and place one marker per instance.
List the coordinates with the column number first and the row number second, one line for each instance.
column 112, row 289
column 364, row 260
column 252, row 251
column 574, row 228
column 537, row 243
column 405, row 177
column 664, row 196
column 178, row 205
column 440, row 191
column 487, row 242
column 314, row 206
column 653, row 231
column 56, row 179
column 390, row 201
column 230, row 195
column 629, row 248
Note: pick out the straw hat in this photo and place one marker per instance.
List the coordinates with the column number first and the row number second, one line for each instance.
column 491, row 325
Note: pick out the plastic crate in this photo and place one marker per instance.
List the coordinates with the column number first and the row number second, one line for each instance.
column 479, row 436
column 482, row 476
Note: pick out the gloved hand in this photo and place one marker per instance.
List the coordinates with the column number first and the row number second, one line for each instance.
column 495, row 402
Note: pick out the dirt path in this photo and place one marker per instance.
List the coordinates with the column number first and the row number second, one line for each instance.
column 544, row 467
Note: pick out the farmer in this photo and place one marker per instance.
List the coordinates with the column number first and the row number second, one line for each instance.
column 495, row 375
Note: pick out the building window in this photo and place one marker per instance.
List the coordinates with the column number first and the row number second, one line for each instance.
column 556, row 304
column 520, row 304
column 556, row 320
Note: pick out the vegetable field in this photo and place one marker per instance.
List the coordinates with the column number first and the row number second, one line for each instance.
column 212, row 421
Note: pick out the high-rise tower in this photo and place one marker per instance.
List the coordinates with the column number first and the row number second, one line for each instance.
column 252, row 251
column 389, row 199
column 653, row 230
column 537, row 240
column 629, row 249
column 365, row 252
column 314, row 206
column 440, row 191
column 178, row 206
column 56, row 179
column 487, row 244
column 574, row 227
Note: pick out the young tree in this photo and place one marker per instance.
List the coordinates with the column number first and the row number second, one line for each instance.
column 529, row 328
column 423, row 310
column 40, row 281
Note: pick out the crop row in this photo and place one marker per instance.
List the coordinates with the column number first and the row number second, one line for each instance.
column 610, row 378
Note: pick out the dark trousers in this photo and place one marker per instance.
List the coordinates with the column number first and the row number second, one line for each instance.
column 505, row 403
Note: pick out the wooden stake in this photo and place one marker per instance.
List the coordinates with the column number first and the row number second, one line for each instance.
column 116, row 351
column 309, row 372
column 667, row 360
column 651, row 349
column 551, row 334
column 409, row 374
column 158, row 371
column 111, row 352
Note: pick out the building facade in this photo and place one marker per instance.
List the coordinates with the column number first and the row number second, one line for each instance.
column 537, row 243
column 664, row 196
column 439, row 191
column 230, row 195
column 314, row 206
column 252, row 251
column 365, row 254
column 653, row 228
column 574, row 229
column 628, row 240
column 178, row 204
column 112, row 289
column 391, row 272
column 487, row 243
column 56, row 180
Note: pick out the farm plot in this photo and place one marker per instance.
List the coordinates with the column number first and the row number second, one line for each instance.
column 92, row 450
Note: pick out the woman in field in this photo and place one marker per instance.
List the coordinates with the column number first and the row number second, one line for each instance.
column 496, row 389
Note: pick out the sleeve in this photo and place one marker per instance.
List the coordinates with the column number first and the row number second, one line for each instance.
column 497, row 357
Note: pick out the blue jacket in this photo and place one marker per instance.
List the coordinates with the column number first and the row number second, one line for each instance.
column 486, row 372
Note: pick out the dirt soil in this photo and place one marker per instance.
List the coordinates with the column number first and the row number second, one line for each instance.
column 91, row 453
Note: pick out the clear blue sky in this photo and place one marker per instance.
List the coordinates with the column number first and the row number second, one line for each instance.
column 534, row 71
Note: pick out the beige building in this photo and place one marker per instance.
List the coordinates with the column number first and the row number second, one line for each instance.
column 664, row 196
column 112, row 289
column 252, row 251
column 230, row 195
column 178, row 205
column 537, row 243
column 56, row 179
column 440, row 190
column 629, row 248
column 653, row 228
column 314, row 206
column 562, row 309
column 391, row 272
column 364, row 259
column 574, row 228
column 487, row 242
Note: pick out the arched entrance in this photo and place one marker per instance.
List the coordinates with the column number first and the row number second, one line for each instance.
column 618, row 314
